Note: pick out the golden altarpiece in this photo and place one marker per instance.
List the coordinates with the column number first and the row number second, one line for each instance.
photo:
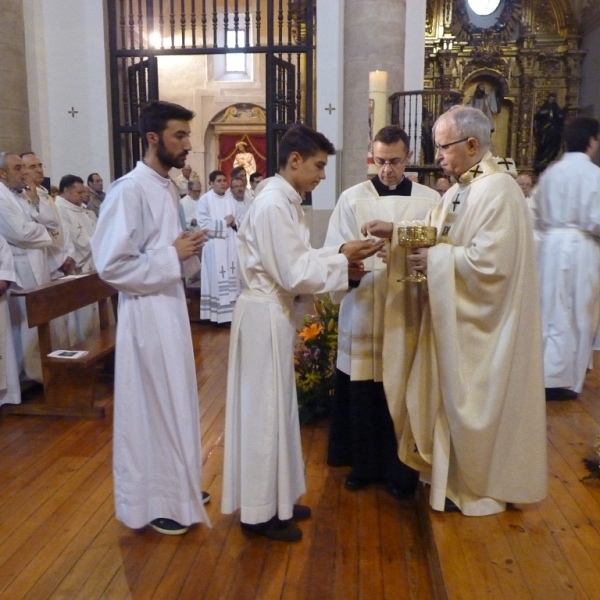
column 512, row 52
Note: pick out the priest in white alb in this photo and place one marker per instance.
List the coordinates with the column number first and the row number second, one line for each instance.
column 475, row 413
column 10, row 388
column 26, row 227
column 361, row 432
column 220, row 282
column 139, row 248
column 263, row 469
column 566, row 209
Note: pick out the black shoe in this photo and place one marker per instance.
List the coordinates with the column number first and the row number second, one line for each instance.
column 274, row 529
column 400, row 492
column 301, row 512
column 560, row 394
column 449, row 506
column 354, row 483
column 205, row 497
column 168, row 527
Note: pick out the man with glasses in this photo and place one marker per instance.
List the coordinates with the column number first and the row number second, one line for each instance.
column 362, row 431
column 475, row 416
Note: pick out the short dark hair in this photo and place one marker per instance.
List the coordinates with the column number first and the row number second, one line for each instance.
column 578, row 133
column 254, row 176
column 68, row 181
column 214, row 174
column 91, row 177
column 236, row 178
column 237, row 171
column 305, row 141
column 392, row 134
column 156, row 114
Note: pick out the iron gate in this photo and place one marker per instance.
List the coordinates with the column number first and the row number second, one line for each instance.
column 283, row 30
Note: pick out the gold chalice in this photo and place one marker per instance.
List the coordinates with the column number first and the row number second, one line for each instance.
column 416, row 236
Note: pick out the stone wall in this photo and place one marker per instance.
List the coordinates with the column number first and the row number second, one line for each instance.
column 14, row 110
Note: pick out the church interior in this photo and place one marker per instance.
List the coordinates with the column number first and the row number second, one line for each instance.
column 73, row 77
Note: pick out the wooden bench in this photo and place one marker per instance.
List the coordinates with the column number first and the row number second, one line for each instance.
column 68, row 383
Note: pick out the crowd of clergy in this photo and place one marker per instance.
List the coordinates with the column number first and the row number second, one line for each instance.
column 443, row 382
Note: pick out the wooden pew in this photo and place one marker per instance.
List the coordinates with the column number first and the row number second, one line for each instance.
column 68, row 383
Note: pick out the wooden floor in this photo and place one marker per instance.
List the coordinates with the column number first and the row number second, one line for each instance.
column 59, row 537
column 548, row 551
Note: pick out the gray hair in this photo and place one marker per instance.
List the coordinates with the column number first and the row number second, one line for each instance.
column 190, row 183
column 3, row 156
column 469, row 122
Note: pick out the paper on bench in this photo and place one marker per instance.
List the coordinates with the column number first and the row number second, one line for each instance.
column 68, row 353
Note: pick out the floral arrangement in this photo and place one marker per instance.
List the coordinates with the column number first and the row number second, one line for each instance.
column 314, row 360
column 593, row 464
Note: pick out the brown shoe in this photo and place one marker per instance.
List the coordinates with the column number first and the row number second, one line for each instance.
column 274, row 529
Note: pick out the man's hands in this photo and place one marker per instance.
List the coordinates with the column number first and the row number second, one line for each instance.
column 67, row 266
column 380, row 229
column 230, row 220
column 193, row 223
column 418, row 260
column 357, row 250
column 189, row 244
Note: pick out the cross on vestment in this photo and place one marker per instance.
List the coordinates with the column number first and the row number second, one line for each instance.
column 79, row 227
column 506, row 163
column 73, row 112
column 232, row 268
column 330, row 108
column 455, row 203
column 223, row 272
column 476, row 171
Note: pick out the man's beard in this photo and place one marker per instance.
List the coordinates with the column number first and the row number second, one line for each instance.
column 168, row 159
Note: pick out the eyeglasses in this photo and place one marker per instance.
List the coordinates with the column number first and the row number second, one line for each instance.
column 443, row 147
column 392, row 162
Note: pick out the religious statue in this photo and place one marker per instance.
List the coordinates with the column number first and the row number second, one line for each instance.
column 487, row 102
column 244, row 159
column 548, row 123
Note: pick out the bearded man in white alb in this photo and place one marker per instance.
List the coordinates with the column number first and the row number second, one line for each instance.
column 566, row 209
column 140, row 250
column 361, row 432
column 26, row 227
column 220, row 283
column 475, row 415
column 242, row 203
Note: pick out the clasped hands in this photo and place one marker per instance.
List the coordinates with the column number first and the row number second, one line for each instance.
column 384, row 229
column 189, row 243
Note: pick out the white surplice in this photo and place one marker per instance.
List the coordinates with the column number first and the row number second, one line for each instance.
column 362, row 309
column 241, row 208
column 263, row 471
column 28, row 241
column 475, row 422
column 566, row 208
column 189, row 210
column 10, row 389
column 157, row 461
column 220, row 282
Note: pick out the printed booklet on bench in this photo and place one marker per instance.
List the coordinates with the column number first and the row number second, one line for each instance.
column 68, row 353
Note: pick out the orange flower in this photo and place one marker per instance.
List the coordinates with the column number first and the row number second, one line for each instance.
column 310, row 332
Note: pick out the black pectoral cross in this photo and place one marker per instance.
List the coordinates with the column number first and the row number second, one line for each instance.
column 455, row 203
column 232, row 268
column 223, row 272
column 79, row 227
column 476, row 171
column 507, row 163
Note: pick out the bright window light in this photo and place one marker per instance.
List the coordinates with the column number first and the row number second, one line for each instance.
column 235, row 63
column 484, row 7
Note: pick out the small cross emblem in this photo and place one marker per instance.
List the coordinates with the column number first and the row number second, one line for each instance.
column 223, row 272
column 73, row 112
column 507, row 163
column 330, row 108
column 455, row 203
column 79, row 227
column 476, row 171
column 232, row 268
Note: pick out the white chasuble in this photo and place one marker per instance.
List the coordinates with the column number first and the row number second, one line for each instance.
column 475, row 422
column 263, row 471
column 10, row 389
column 361, row 319
column 157, row 461
column 220, row 282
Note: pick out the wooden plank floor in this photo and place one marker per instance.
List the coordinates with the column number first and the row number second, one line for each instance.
column 59, row 537
column 548, row 551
